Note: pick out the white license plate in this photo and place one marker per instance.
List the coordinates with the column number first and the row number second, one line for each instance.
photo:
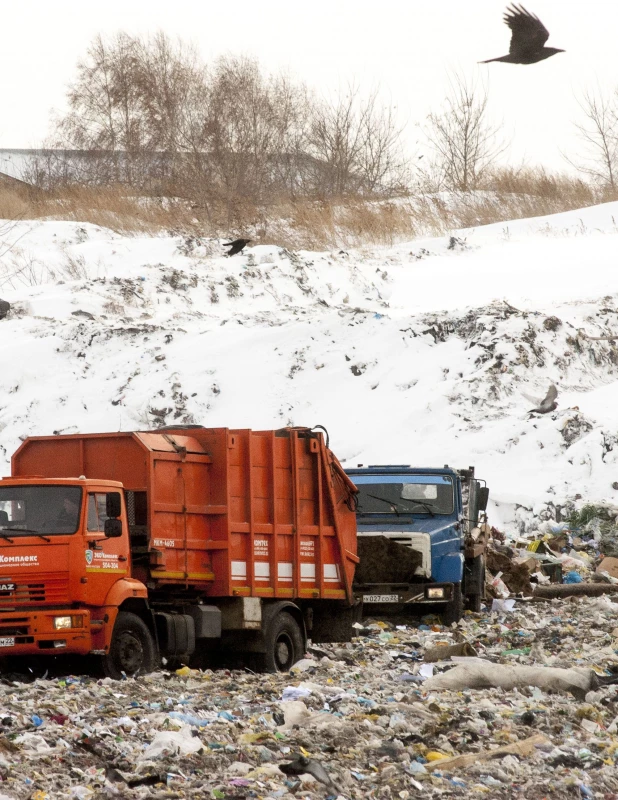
column 380, row 598
column 7, row 641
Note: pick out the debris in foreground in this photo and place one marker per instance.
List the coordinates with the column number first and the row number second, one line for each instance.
column 308, row 766
column 359, row 719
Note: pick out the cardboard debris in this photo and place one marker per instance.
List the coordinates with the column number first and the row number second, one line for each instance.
column 609, row 565
column 444, row 652
column 522, row 749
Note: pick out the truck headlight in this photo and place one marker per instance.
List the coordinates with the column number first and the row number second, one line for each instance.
column 436, row 593
column 62, row 623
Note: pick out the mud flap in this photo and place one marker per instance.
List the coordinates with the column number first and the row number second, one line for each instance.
column 474, row 576
column 332, row 622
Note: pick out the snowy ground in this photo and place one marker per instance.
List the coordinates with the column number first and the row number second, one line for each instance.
column 419, row 353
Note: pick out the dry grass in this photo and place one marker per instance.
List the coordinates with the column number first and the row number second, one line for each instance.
column 109, row 207
column 310, row 224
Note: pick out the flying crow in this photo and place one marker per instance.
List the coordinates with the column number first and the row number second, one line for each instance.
column 547, row 404
column 236, row 246
column 527, row 39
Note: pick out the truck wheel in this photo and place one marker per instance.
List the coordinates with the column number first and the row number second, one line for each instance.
column 474, row 601
column 132, row 651
column 453, row 611
column 284, row 644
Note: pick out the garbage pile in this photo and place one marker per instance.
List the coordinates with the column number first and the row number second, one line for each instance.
column 581, row 550
column 505, row 703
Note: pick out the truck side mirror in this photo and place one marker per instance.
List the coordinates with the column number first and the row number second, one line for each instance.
column 483, row 498
column 112, row 505
column 113, row 528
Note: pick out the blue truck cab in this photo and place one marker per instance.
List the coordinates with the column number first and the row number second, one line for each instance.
column 416, row 537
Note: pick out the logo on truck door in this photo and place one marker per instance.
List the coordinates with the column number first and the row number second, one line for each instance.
column 100, row 561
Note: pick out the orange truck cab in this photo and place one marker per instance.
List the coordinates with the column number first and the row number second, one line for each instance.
column 62, row 575
column 176, row 543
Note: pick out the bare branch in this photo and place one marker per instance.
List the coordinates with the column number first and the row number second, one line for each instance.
column 465, row 143
column 599, row 136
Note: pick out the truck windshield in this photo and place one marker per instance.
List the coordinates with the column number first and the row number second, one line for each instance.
column 417, row 494
column 29, row 510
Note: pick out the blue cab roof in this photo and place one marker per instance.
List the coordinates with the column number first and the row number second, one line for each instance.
column 400, row 469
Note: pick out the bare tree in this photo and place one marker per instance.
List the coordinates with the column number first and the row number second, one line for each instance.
column 356, row 145
column 127, row 108
column 599, row 134
column 146, row 112
column 104, row 107
column 464, row 141
column 382, row 162
column 241, row 128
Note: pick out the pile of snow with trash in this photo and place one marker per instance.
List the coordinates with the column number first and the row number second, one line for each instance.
column 422, row 353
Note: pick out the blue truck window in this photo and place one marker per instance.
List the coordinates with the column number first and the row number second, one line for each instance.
column 397, row 495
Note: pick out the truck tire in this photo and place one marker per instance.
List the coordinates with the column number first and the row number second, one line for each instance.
column 475, row 600
column 453, row 611
column 284, row 644
column 132, row 651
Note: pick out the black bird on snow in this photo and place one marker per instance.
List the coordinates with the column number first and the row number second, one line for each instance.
column 236, row 246
column 547, row 404
column 527, row 39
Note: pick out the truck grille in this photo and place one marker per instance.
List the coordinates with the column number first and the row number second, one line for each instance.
column 12, row 627
column 49, row 590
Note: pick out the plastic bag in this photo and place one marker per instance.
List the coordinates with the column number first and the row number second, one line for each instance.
column 173, row 743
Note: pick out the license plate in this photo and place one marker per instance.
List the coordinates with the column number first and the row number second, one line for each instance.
column 7, row 641
column 380, row 598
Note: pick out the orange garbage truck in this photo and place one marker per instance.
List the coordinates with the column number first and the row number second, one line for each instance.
column 176, row 543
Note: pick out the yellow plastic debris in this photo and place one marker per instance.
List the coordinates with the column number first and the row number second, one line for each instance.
column 251, row 738
column 187, row 672
column 433, row 755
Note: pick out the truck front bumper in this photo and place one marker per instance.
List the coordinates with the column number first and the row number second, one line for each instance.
column 408, row 594
column 59, row 630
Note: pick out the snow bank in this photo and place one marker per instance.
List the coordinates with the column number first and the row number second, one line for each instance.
column 420, row 353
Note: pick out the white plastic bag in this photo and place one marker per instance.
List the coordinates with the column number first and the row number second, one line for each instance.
column 173, row 743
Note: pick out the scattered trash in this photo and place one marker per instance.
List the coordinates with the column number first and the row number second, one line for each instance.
column 609, row 566
column 523, row 748
column 173, row 743
column 445, row 651
column 295, row 693
column 367, row 718
column 308, row 766
column 426, row 670
column 502, row 606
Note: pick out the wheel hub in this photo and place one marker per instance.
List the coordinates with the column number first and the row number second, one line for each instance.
column 283, row 652
column 130, row 653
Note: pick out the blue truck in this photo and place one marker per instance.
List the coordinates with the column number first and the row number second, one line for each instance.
column 421, row 538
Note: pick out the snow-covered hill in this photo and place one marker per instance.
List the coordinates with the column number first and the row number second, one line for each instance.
column 417, row 353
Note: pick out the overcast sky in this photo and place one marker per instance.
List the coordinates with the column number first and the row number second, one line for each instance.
column 407, row 47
